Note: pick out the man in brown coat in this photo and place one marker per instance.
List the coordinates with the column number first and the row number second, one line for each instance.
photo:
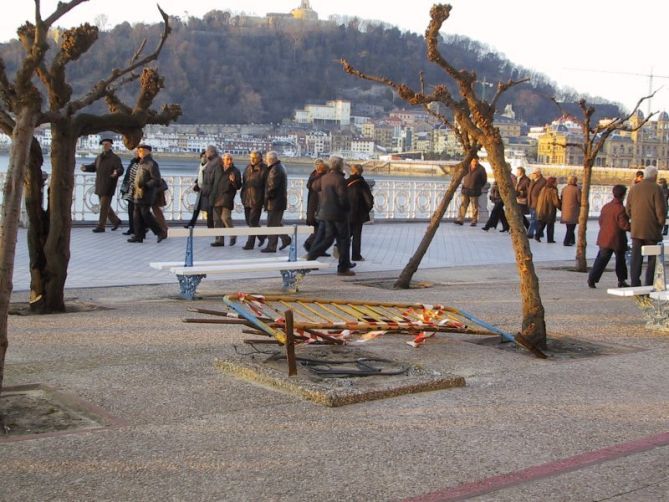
column 107, row 168
column 533, row 191
column 612, row 238
column 571, row 205
column 646, row 208
column 472, row 185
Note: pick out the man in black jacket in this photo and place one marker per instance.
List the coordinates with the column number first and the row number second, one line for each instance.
column 472, row 185
column 253, row 195
column 333, row 214
column 147, row 184
column 276, row 200
column 226, row 181
column 107, row 168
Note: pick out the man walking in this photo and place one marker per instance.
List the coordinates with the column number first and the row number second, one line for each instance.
column 533, row 191
column 212, row 163
column 646, row 208
column 107, row 168
column 147, row 184
column 333, row 215
column 612, row 238
column 227, row 180
column 472, row 184
column 253, row 195
column 276, row 200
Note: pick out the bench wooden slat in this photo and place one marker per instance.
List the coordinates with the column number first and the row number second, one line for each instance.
column 631, row 291
column 238, row 231
column 251, row 267
column 163, row 265
column 660, row 295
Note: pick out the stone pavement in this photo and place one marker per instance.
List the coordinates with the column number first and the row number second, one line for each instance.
column 589, row 423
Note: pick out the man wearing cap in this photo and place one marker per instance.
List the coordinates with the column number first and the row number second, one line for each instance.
column 147, row 185
column 107, row 168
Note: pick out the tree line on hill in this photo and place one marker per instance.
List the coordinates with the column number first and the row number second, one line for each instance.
column 222, row 70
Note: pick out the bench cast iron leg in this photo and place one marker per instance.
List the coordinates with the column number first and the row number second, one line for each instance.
column 188, row 284
column 656, row 312
column 292, row 279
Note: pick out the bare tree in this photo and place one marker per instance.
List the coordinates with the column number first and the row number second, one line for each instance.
column 69, row 119
column 594, row 138
column 475, row 117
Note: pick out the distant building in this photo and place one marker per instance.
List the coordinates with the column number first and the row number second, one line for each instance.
column 336, row 112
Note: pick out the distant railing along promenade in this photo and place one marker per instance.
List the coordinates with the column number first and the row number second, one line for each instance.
column 394, row 200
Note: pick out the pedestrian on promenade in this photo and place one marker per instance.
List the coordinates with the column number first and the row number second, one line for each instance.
column 548, row 203
column 227, row 180
column 107, row 168
column 665, row 191
column 472, row 186
column 320, row 168
column 128, row 191
column 196, row 188
column 533, row 191
column 497, row 214
column 253, row 195
column 646, row 207
column 333, row 214
column 571, row 206
column 612, row 238
column 361, row 202
column 275, row 200
column 213, row 161
column 638, row 176
column 522, row 189
column 147, row 184
column 158, row 204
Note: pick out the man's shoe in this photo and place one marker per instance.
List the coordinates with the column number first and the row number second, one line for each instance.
column 457, row 222
column 485, row 229
column 326, row 255
column 623, row 284
column 346, row 273
column 129, row 232
column 98, row 230
column 261, row 241
column 285, row 244
column 504, row 230
column 116, row 225
column 472, row 224
column 162, row 237
column 217, row 244
column 591, row 284
column 551, row 242
column 351, row 265
column 136, row 239
column 233, row 241
column 537, row 239
column 246, row 247
column 358, row 258
column 268, row 250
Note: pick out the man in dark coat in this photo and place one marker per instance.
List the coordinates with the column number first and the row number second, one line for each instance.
column 212, row 163
column 147, row 184
column 361, row 200
column 253, row 195
column 276, row 200
column 472, row 185
column 333, row 214
column 533, row 191
column 646, row 207
column 227, row 180
column 320, row 168
column 522, row 188
column 107, row 168
column 612, row 238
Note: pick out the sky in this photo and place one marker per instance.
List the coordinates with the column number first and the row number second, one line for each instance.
column 606, row 48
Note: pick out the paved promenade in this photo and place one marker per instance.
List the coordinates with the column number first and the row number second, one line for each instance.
column 588, row 424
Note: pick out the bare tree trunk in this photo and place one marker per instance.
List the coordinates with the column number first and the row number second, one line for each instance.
column 534, row 325
column 584, row 211
column 38, row 225
column 13, row 189
column 404, row 279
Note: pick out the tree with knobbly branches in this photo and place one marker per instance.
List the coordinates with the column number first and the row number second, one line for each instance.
column 22, row 110
column 475, row 118
column 594, row 138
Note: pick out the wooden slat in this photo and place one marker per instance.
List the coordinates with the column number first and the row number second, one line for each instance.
column 250, row 267
column 237, row 231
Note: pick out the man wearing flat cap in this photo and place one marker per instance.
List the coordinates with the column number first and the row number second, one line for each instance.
column 146, row 188
column 107, row 168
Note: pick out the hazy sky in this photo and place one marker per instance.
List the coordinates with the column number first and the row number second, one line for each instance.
column 590, row 45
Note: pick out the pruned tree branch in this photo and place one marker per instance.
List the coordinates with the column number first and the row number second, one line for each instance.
column 62, row 9
column 502, row 87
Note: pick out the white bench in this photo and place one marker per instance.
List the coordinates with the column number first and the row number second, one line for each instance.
column 189, row 272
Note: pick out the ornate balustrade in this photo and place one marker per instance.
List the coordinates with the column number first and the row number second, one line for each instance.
column 395, row 199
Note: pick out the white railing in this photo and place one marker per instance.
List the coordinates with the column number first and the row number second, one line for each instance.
column 399, row 199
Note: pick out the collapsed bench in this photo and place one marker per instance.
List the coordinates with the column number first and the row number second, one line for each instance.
column 652, row 300
column 189, row 272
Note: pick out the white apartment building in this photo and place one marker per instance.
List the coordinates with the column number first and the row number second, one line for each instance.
column 317, row 143
column 332, row 112
column 362, row 148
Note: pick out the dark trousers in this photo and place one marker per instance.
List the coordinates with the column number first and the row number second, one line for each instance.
column 312, row 237
column 550, row 230
column 356, row 240
column 637, row 262
column 106, row 212
column 524, row 209
column 196, row 212
column 274, row 219
column 252, row 217
column 331, row 231
column 602, row 261
column 533, row 227
column 570, row 237
column 131, row 217
column 497, row 216
column 144, row 219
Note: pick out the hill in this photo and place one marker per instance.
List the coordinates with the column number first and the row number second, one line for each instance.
column 231, row 69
